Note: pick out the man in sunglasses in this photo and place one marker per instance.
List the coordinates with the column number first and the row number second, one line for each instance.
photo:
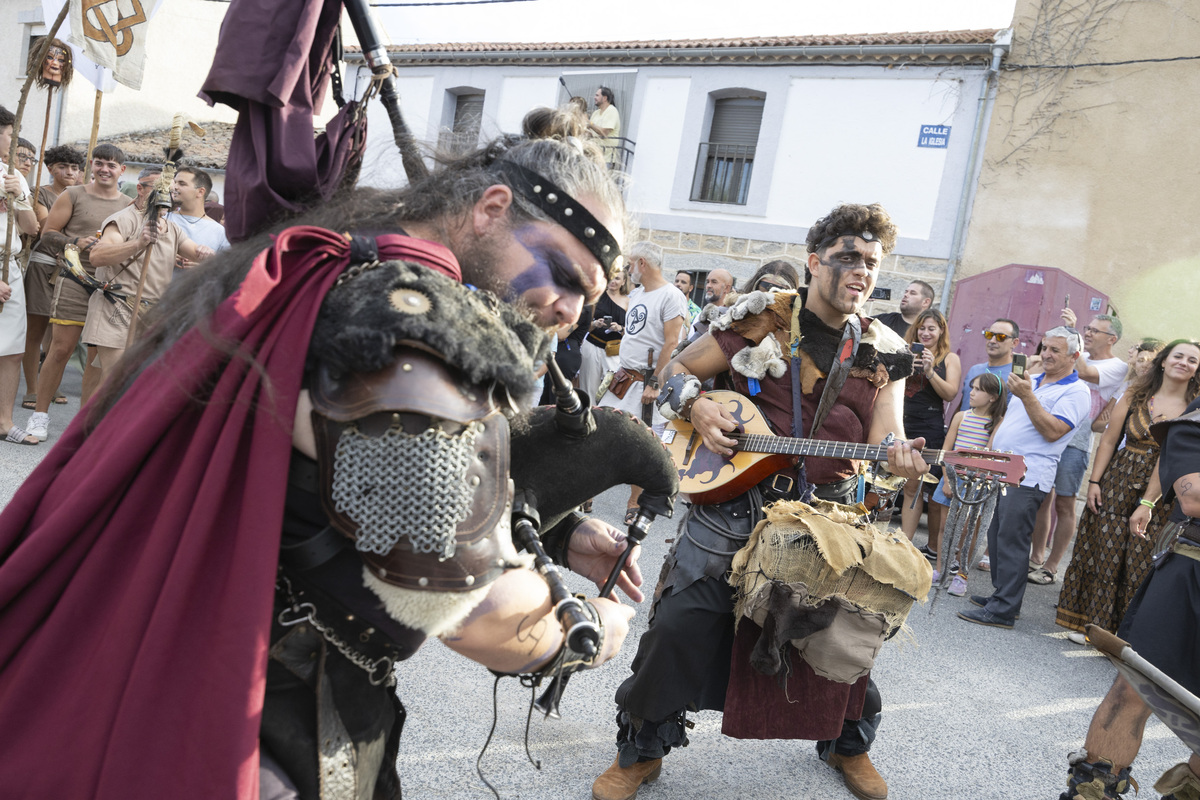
column 1002, row 336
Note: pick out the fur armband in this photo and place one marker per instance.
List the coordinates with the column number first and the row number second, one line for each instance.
column 678, row 395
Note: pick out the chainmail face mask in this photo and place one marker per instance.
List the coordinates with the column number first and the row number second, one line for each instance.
column 402, row 485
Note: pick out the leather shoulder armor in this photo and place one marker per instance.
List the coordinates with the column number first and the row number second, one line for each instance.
column 414, row 463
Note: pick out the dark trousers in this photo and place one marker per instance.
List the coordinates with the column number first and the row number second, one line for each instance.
column 1009, row 539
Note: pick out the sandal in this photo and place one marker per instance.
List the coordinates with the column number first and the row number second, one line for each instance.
column 29, row 401
column 631, row 515
column 60, row 399
column 1041, row 576
column 18, row 435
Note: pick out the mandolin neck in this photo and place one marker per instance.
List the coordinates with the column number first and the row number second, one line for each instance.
column 766, row 443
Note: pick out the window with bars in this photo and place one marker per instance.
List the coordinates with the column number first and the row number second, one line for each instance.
column 725, row 161
column 463, row 133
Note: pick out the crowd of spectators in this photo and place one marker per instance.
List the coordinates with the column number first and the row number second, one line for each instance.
column 87, row 204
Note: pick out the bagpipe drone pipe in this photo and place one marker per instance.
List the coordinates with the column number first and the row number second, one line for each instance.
column 567, row 454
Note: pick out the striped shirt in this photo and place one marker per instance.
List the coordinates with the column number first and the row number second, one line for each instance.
column 972, row 435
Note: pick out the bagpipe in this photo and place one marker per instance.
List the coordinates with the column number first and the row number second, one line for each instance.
column 568, row 453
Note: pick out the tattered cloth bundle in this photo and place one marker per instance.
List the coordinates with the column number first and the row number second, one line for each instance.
column 834, row 586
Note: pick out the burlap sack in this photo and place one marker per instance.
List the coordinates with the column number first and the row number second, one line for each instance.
column 832, row 585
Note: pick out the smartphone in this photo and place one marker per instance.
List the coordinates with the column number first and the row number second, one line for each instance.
column 1066, row 301
column 1019, row 365
column 917, row 348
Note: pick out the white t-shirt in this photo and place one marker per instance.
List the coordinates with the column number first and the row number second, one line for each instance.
column 644, row 320
column 202, row 230
column 1112, row 373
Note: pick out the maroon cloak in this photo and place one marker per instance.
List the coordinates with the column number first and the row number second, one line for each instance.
column 139, row 560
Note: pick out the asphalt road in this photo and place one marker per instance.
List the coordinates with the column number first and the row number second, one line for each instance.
column 969, row 712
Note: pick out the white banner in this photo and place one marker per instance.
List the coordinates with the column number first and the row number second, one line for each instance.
column 111, row 35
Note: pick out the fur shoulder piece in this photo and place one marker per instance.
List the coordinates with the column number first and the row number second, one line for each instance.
column 894, row 361
column 883, row 338
column 757, row 314
column 363, row 319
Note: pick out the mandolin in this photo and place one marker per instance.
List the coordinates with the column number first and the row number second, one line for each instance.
column 705, row 477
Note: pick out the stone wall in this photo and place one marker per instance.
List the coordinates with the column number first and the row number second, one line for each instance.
column 692, row 251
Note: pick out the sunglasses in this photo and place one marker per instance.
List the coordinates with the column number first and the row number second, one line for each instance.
column 999, row 337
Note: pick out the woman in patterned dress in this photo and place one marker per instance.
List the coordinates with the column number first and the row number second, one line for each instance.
column 1108, row 562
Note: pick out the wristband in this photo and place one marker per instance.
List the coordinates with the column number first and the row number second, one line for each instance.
column 679, row 394
column 1095, row 482
column 1147, row 503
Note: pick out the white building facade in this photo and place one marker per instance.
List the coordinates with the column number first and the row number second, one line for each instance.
column 735, row 147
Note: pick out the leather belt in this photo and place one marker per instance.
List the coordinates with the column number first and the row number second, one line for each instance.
column 636, row 374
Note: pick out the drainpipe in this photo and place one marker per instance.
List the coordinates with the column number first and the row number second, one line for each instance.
column 987, row 96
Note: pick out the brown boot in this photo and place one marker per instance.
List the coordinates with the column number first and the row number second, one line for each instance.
column 861, row 778
column 617, row 783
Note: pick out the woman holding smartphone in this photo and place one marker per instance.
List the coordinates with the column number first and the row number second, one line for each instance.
column 937, row 376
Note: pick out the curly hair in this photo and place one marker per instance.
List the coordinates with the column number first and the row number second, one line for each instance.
column 1144, row 387
column 852, row 218
column 64, row 154
column 942, row 348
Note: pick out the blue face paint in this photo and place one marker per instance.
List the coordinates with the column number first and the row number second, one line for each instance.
column 551, row 268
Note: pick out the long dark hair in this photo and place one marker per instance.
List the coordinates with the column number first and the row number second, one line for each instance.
column 1145, row 386
column 441, row 198
column 989, row 383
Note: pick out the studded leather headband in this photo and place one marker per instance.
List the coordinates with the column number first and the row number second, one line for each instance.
column 565, row 210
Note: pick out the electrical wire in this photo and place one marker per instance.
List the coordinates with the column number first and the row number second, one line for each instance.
column 1100, row 63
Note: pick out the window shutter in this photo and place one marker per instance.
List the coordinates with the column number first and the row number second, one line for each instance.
column 468, row 114
column 736, row 120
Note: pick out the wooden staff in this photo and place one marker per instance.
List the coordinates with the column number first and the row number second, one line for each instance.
column 12, row 151
column 159, row 212
column 87, row 170
column 37, row 175
column 160, row 201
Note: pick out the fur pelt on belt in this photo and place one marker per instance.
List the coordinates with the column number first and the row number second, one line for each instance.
column 882, row 355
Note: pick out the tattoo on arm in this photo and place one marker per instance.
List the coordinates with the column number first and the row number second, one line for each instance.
column 532, row 630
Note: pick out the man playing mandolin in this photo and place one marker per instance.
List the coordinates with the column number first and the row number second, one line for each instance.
column 782, row 350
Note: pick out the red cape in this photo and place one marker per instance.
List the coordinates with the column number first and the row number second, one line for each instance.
column 139, row 560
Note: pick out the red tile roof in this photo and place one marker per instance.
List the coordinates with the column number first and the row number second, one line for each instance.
column 767, row 49
column 146, row 147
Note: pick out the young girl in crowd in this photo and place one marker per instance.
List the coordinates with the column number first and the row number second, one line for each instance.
column 972, row 429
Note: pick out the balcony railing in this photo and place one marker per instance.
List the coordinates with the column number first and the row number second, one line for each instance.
column 723, row 173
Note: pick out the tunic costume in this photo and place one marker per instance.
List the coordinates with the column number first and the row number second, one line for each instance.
column 12, row 322
column 1110, row 562
column 42, row 270
column 107, row 323
column 70, row 304
column 690, row 658
column 181, row 491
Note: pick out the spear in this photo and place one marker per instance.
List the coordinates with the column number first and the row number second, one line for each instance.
column 12, row 150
